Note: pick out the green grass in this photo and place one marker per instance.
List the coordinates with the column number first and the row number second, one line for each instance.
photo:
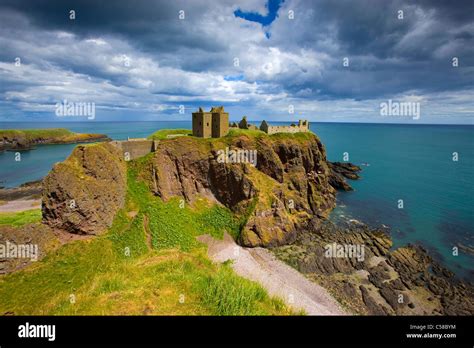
column 18, row 219
column 233, row 132
column 120, row 273
column 175, row 224
column 50, row 135
column 163, row 133
column 295, row 136
column 229, row 295
column 31, row 134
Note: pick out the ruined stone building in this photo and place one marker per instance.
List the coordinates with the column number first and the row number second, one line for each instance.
column 303, row 126
column 243, row 124
column 214, row 123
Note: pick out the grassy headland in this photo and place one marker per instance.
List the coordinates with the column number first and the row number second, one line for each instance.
column 149, row 262
column 169, row 133
column 25, row 138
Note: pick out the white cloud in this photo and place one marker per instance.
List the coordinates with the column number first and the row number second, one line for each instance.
column 299, row 65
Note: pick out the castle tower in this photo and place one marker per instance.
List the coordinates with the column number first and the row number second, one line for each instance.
column 303, row 125
column 202, row 122
column 220, row 122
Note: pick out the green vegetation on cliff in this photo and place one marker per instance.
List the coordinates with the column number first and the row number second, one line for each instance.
column 25, row 138
column 169, row 133
column 21, row 218
column 52, row 134
column 32, row 134
column 149, row 262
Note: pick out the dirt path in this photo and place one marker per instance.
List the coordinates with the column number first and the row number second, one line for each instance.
column 260, row 265
column 20, row 205
column 146, row 228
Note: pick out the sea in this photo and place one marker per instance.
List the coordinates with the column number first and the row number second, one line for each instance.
column 416, row 180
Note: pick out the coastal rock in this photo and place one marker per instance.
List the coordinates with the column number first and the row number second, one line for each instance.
column 23, row 140
column 346, row 169
column 373, row 307
column 288, row 184
column 34, row 240
column 29, row 190
column 339, row 172
column 404, row 281
column 82, row 194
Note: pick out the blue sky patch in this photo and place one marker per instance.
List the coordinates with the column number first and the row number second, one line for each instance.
column 272, row 5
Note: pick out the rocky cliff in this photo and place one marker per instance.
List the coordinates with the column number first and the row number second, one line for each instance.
column 288, row 184
column 82, row 194
column 281, row 193
column 272, row 183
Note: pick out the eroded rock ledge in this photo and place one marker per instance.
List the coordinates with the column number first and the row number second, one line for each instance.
column 403, row 281
column 290, row 183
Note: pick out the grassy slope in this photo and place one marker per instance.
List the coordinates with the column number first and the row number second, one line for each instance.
column 20, row 218
column 233, row 132
column 163, row 133
column 53, row 134
column 124, row 272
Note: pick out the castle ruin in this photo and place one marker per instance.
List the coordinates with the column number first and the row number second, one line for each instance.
column 214, row 123
column 303, row 126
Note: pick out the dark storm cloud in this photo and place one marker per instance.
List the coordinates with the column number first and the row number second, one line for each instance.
column 389, row 55
column 150, row 25
column 300, row 61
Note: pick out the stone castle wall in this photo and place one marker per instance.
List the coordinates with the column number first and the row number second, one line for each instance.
column 220, row 124
column 287, row 129
column 132, row 149
column 202, row 124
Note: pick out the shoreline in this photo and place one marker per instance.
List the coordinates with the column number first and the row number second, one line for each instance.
column 27, row 139
column 401, row 281
column 373, row 283
column 20, row 205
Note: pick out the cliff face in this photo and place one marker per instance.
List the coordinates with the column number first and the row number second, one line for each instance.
column 288, row 185
column 83, row 193
column 286, row 182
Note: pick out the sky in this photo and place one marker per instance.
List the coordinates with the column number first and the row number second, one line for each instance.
column 325, row 61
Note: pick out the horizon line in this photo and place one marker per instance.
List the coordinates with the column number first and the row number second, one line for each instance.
column 292, row 121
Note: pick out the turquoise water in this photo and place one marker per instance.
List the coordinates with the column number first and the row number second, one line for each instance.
column 415, row 164
column 35, row 164
column 408, row 162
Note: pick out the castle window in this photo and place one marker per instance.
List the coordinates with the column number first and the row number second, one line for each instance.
column 208, row 124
